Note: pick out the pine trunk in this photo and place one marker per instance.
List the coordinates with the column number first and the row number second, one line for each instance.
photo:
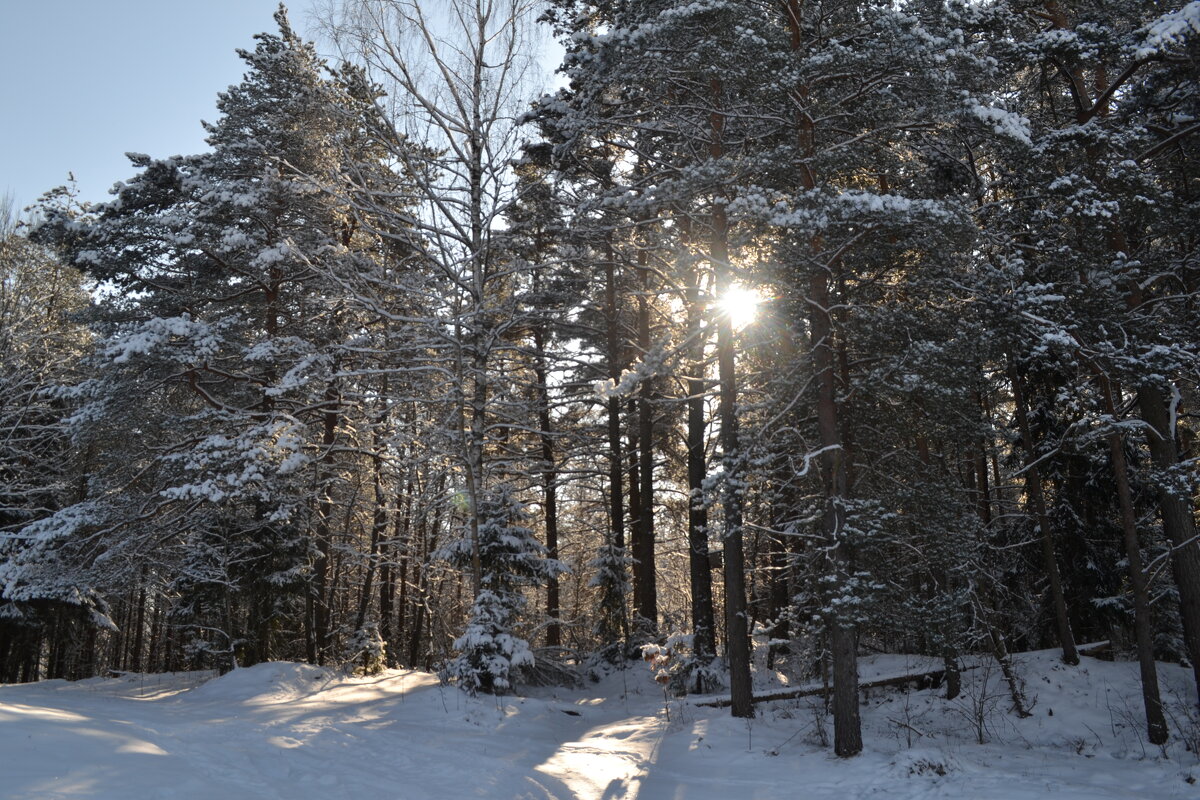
column 1033, row 484
column 1175, row 506
column 616, row 458
column 737, row 631
column 645, row 587
column 847, row 730
column 549, row 486
column 1156, row 723
column 700, row 570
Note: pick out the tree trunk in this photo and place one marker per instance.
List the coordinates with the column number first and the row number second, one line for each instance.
column 387, row 590
column 419, row 599
column 140, row 628
column 634, row 476
column 1175, row 506
column 645, row 588
column 847, row 727
column 549, row 485
column 737, row 623
column 374, row 556
column 1156, row 723
column 700, row 570
column 736, row 612
column 317, row 640
column 1033, row 483
column 475, row 448
column 613, row 629
column 983, row 493
column 1004, row 658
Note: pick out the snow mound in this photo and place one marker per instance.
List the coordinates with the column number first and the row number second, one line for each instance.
column 265, row 684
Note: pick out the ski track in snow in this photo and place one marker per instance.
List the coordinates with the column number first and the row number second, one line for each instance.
column 297, row 732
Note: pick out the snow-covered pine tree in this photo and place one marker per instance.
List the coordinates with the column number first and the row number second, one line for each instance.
column 868, row 224
column 663, row 88
column 1097, row 275
column 223, row 371
column 602, row 322
column 539, row 248
column 41, row 344
column 510, row 558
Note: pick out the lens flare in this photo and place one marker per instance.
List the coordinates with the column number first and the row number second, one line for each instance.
column 740, row 304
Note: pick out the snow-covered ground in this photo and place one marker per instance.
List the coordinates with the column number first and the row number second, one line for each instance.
column 297, row 732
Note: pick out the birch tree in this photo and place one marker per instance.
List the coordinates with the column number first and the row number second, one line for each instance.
column 457, row 73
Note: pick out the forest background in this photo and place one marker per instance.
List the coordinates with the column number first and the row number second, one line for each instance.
column 415, row 367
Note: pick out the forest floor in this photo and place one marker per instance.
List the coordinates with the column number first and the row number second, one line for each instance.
column 299, row 732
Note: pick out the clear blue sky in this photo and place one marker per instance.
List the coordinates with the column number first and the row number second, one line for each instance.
column 82, row 82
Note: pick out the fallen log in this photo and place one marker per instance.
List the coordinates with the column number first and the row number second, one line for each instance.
column 1101, row 650
column 924, row 680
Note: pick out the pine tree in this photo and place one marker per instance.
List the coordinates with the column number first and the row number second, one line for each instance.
column 510, row 558
column 41, row 344
column 222, row 371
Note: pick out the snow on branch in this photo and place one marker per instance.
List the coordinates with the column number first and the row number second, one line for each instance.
column 1169, row 30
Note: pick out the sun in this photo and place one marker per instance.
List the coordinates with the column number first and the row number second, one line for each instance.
column 740, row 304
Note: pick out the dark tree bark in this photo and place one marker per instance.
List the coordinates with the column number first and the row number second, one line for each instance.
column 317, row 605
column 387, row 582
column 378, row 527
column 549, row 485
column 616, row 458
column 847, row 727
column 1033, row 484
column 737, row 624
column 700, row 571
column 139, row 631
column 645, row 574
column 397, row 554
column 633, row 475
column 419, row 599
column 1156, row 723
column 1179, row 524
